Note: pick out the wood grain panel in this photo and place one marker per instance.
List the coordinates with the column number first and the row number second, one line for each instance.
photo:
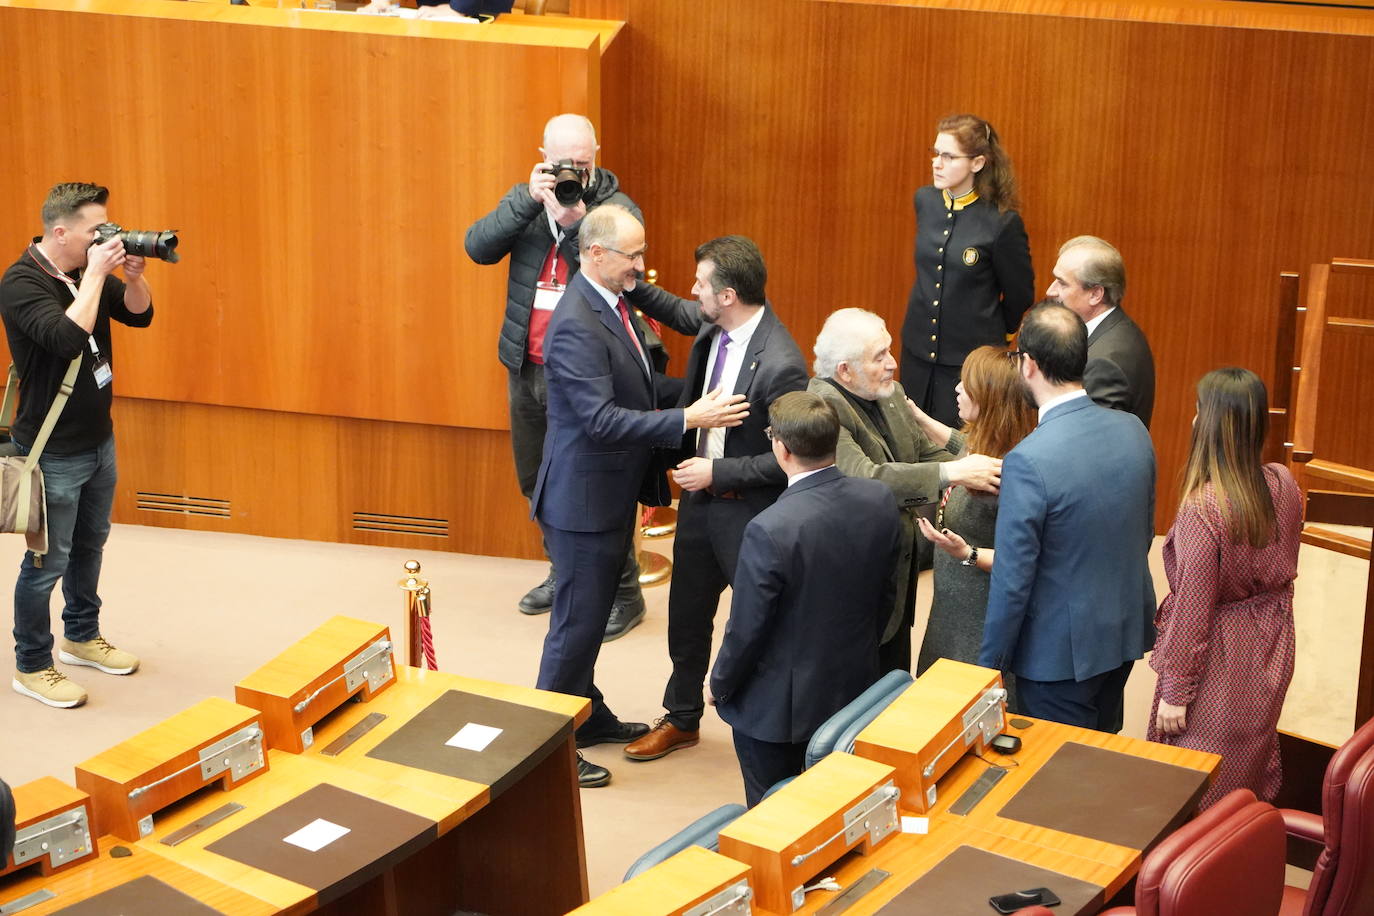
column 1213, row 157
column 322, row 170
column 302, row 476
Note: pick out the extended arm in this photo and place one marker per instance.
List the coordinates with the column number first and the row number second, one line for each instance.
column 579, row 367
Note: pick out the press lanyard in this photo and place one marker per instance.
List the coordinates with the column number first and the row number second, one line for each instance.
column 51, row 270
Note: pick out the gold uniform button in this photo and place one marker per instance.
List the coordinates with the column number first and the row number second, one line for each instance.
column 932, row 321
column 932, row 355
column 946, row 232
column 937, row 301
column 932, row 338
column 937, row 286
column 942, row 251
column 939, row 267
column 949, row 216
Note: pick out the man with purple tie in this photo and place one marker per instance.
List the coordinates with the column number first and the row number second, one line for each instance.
column 727, row 476
column 603, row 429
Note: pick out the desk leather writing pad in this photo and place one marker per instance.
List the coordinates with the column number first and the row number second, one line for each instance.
column 1106, row 795
column 961, row 883
column 139, row 897
column 379, row 836
column 527, row 737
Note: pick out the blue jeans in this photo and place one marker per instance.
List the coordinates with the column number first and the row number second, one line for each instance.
column 80, row 493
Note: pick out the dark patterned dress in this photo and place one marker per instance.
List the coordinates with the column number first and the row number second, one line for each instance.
column 1225, row 647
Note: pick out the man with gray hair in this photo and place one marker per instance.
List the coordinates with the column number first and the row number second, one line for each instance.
column 540, row 234
column 600, row 459
column 1090, row 278
column 880, row 439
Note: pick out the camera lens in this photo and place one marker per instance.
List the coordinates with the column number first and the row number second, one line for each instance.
column 567, row 187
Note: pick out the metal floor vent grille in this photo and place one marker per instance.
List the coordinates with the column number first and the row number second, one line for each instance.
column 400, row 524
column 182, row 505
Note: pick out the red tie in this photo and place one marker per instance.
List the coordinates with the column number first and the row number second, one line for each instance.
column 625, row 320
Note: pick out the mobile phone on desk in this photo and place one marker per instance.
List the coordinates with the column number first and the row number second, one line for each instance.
column 1036, row 896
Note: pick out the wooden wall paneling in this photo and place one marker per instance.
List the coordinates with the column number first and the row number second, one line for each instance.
column 304, row 476
column 1197, row 150
column 322, row 180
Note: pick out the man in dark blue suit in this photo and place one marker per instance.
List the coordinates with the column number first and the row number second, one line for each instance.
column 1072, row 604
column 813, row 590
column 599, row 459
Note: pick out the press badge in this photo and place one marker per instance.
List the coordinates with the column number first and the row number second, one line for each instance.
column 103, row 373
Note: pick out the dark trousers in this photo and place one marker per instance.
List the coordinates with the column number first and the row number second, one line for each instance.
column 705, row 553
column 764, row 763
column 895, row 654
column 586, row 565
column 931, row 386
column 1097, row 703
column 529, row 401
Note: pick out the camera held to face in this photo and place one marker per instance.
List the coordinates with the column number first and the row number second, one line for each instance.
column 160, row 245
column 568, row 181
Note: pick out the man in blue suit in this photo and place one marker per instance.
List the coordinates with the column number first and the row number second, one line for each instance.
column 1072, row 604
column 599, row 459
column 813, row 592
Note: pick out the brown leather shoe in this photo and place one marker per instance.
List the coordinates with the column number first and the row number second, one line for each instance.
column 663, row 739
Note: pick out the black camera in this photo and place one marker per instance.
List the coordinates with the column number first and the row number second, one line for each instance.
column 160, row 245
column 568, row 182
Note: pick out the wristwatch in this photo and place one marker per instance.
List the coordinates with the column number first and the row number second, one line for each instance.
column 972, row 558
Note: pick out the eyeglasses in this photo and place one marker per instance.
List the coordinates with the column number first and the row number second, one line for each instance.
column 946, row 158
column 768, row 431
column 1015, row 355
column 625, row 254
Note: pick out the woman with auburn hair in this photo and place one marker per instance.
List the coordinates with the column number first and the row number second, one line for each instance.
column 1225, row 648
column 973, row 266
column 996, row 416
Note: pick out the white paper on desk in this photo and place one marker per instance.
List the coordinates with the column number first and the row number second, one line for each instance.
column 474, row 737
column 316, row 835
column 915, row 824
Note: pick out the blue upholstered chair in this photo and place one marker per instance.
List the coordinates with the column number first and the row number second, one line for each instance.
column 839, row 731
column 705, row 831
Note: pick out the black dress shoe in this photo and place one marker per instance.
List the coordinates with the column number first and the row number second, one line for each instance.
column 591, row 776
column 539, row 600
column 619, row 733
column 624, row 618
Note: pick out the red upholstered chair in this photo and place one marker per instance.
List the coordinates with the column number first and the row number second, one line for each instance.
column 1343, row 879
column 1227, row 860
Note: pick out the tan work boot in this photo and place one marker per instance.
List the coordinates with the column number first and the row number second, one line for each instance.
column 49, row 686
column 98, row 654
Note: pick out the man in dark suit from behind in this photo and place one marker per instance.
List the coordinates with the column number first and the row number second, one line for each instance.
column 1071, row 605
column 727, row 476
column 1090, row 278
column 812, row 593
column 598, row 460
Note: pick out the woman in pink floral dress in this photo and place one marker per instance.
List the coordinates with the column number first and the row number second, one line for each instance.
column 1225, row 648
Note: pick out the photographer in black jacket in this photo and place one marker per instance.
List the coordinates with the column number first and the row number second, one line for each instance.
column 540, row 235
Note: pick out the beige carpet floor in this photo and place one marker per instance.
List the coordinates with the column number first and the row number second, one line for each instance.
column 205, row 609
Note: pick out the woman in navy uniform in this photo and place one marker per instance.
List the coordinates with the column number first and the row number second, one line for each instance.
column 973, row 267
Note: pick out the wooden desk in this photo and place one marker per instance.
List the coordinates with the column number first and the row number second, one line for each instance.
column 908, row 857
column 106, row 872
column 515, row 852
